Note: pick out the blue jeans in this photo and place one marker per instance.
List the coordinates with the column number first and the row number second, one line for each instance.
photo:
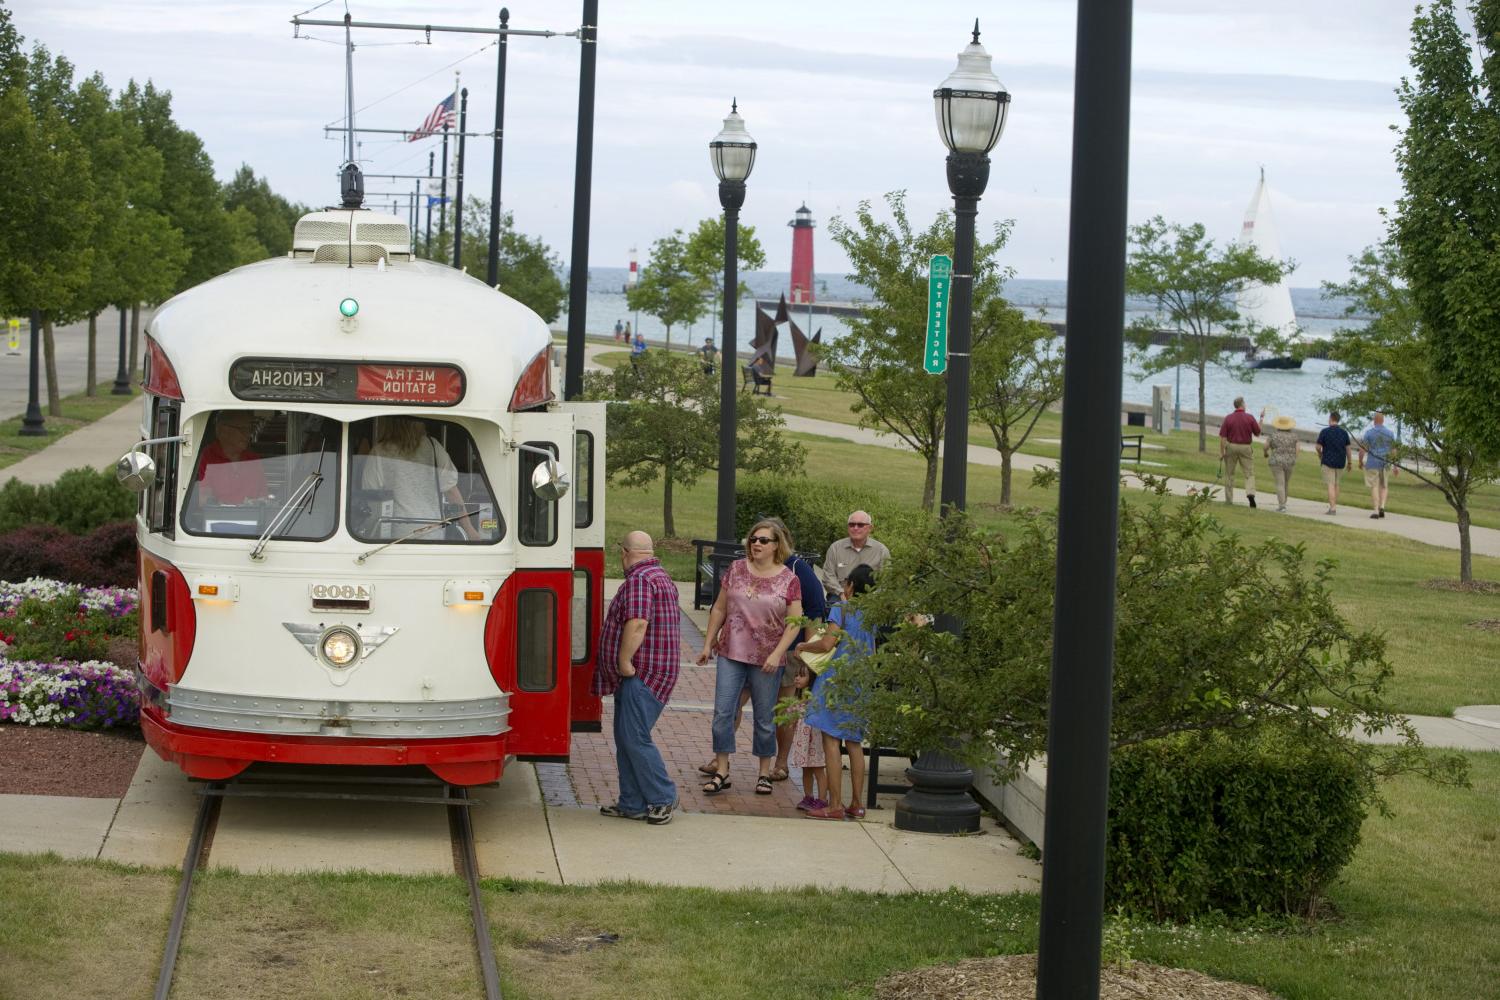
column 643, row 774
column 731, row 678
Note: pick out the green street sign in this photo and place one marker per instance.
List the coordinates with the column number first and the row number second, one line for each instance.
column 939, row 282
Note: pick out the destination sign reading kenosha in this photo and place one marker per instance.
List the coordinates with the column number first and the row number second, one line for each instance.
column 299, row 380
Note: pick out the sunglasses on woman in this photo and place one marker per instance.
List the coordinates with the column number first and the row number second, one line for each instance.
column 761, row 540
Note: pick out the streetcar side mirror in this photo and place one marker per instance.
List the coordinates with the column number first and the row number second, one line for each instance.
column 549, row 481
column 135, row 471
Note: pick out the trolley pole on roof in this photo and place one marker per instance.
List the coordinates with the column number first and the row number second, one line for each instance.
column 492, row 275
column 1088, row 509
column 588, row 38
column 458, row 182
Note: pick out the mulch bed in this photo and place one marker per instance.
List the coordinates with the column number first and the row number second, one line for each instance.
column 42, row 760
column 1472, row 587
column 1013, row 977
column 1486, row 624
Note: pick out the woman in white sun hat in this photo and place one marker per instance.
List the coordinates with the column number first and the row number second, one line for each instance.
column 1281, row 450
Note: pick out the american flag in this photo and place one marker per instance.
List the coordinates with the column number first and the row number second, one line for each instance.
column 442, row 115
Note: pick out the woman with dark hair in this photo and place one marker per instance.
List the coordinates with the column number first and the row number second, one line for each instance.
column 748, row 628
column 846, row 633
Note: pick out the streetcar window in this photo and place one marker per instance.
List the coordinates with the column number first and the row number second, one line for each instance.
column 421, row 480
column 583, row 481
column 578, row 628
column 161, row 497
column 252, row 463
column 536, row 632
column 537, row 517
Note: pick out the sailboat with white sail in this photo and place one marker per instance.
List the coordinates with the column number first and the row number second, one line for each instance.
column 1266, row 306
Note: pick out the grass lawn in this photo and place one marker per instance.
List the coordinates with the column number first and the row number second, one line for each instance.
column 820, row 398
column 78, row 411
column 1415, row 919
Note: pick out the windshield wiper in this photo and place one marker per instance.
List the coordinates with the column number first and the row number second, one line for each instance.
column 421, row 529
column 289, row 511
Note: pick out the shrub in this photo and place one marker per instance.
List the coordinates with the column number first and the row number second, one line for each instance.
column 104, row 558
column 816, row 513
column 91, row 695
column 80, row 501
column 1241, row 826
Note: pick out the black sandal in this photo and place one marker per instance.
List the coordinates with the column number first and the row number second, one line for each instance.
column 716, row 784
column 763, row 785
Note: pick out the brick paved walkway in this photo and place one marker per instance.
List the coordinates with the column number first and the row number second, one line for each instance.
column 682, row 735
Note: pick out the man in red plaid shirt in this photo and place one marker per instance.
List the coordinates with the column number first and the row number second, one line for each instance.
column 639, row 656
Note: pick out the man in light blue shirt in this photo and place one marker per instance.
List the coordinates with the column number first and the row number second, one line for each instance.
column 1374, row 451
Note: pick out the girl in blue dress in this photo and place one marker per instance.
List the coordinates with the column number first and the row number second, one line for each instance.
column 841, row 726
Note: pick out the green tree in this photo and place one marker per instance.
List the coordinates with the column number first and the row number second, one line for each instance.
column 1017, row 375
column 704, row 258
column 879, row 360
column 274, row 217
column 1212, row 635
column 1390, row 367
column 530, row 272
column 1447, row 223
column 668, row 288
column 47, row 218
column 664, row 423
column 1193, row 285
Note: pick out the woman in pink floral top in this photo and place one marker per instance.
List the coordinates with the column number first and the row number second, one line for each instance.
column 748, row 629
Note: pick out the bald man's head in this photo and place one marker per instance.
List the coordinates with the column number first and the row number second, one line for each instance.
column 635, row 547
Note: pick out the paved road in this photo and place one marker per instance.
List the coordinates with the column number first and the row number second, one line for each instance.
column 72, row 343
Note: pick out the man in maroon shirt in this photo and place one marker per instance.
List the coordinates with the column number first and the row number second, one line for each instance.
column 1236, row 451
column 639, row 657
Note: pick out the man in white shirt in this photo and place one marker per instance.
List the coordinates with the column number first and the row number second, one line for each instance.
column 859, row 549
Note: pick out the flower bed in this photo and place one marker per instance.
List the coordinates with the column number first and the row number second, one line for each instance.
column 54, row 670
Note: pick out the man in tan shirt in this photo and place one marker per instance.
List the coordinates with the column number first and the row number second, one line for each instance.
column 859, row 549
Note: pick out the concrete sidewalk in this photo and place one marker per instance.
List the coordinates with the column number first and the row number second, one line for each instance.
column 97, row 445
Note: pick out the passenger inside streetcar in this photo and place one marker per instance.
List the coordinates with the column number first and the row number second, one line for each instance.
column 409, row 480
column 229, row 471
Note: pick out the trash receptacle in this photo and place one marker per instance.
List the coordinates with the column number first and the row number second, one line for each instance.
column 1135, row 419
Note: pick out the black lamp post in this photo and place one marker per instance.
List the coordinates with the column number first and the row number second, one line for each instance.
column 122, row 377
column 32, row 425
column 733, row 154
column 971, row 108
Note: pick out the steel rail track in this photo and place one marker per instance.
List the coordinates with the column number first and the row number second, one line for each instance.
column 461, row 834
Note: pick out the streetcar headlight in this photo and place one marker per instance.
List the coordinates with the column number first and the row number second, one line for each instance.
column 340, row 647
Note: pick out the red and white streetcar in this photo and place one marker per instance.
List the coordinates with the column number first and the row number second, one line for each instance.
column 358, row 541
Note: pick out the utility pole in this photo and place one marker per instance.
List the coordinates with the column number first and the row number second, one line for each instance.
column 427, row 242
column 492, row 275
column 458, row 196
column 583, row 171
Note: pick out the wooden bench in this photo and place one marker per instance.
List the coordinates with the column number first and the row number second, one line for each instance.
column 1132, row 442
column 750, row 375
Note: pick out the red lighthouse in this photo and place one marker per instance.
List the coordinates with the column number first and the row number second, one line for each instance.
column 802, row 256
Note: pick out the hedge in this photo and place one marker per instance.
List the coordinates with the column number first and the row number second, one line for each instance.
column 1230, row 824
column 816, row 513
column 81, row 501
column 105, row 557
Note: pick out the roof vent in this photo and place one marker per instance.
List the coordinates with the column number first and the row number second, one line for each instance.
column 326, row 236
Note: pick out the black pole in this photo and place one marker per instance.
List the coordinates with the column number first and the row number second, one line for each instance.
column 443, row 192
column 32, row 425
column 122, row 376
column 583, row 173
column 493, row 274
column 731, row 196
column 939, row 800
column 416, row 201
column 458, row 194
column 427, row 243
column 1083, row 626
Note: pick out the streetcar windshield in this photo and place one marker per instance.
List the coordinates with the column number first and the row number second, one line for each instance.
column 420, row 481
column 249, row 466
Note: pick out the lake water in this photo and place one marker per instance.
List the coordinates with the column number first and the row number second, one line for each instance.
column 1298, row 393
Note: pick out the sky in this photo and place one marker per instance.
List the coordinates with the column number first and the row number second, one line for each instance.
column 838, row 96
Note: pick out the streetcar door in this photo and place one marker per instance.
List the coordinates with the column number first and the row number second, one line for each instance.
column 540, row 592
column 590, row 551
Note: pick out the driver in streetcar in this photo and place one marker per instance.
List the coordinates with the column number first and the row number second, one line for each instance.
column 229, row 473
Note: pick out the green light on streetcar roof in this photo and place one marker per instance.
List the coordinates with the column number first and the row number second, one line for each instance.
column 348, row 307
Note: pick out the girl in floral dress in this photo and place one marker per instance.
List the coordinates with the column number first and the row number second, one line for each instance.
column 807, row 746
